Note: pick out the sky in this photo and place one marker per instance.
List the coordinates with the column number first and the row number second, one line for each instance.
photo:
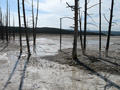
column 50, row 12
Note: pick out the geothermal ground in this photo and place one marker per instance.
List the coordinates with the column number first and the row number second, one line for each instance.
column 48, row 68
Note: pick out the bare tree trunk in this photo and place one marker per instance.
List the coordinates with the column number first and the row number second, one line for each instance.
column 33, row 24
column 99, row 28
column 85, row 26
column 1, row 21
column 0, row 24
column 60, row 33
column 109, row 28
column 0, row 31
column 3, row 27
column 74, row 52
column 13, row 28
column 27, row 40
column 19, row 26
column 7, row 23
column 36, row 21
column 80, row 22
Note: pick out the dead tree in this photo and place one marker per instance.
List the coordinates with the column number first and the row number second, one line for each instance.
column 85, row 26
column 33, row 25
column 27, row 40
column 85, row 22
column 99, row 28
column 7, row 23
column 0, row 15
column 80, row 23
column 74, row 52
column 60, row 33
column 75, row 8
column 4, row 27
column 33, row 22
column 1, row 22
column 13, row 29
column 19, row 19
column 36, row 22
column 109, row 28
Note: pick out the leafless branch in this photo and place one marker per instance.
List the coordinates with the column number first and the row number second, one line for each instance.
column 91, row 18
column 88, row 2
column 27, row 1
column 72, row 7
column 114, row 23
column 93, row 5
column 105, row 18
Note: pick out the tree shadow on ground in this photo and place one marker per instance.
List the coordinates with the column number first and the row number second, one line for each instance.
column 3, row 48
column 23, row 74
column 101, row 65
column 91, row 63
column 13, row 71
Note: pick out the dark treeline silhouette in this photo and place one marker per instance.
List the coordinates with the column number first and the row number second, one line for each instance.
column 47, row 30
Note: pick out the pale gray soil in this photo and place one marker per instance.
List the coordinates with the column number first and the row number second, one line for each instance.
column 51, row 69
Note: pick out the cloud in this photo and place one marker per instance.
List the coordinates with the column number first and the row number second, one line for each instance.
column 50, row 12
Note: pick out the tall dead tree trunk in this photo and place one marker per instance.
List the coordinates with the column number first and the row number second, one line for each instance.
column 7, row 23
column 85, row 26
column 3, row 27
column 19, row 19
column 109, row 28
column 36, row 21
column 60, row 33
column 80, row 22
column 0, row 24
column 13, row 28
column 33, row 24
column 74, row 52
column 99, row 28
column 24, row 16
column 1, row 21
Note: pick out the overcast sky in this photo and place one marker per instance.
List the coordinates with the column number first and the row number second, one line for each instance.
column 50, row 12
